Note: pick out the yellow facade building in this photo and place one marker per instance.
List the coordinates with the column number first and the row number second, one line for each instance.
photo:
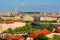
column 28, row 18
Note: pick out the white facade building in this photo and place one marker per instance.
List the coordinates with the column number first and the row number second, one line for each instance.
column 48, row 18
column 13, row 25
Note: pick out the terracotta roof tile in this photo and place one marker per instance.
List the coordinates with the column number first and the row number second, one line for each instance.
column 9, row 22
column 45, row 32
column 2, row 22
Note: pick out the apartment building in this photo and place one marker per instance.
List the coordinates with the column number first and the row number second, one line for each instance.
column 50, row 14
column 11, row 24
column 48, row 18
column 28, row 18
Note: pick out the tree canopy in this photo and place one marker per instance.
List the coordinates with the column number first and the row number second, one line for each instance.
column 25, row 29
column 41, row 37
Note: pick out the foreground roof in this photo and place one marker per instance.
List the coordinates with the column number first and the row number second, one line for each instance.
column 45, row 32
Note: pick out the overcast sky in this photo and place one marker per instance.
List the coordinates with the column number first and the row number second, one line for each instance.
column 30, row 5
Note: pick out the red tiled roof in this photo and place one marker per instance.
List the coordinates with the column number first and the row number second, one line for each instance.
column 15, row 37
column 8, row 37
column 32, row 35
column 9, row 22
column 45, row 32
column 16, row 20
column 2, row 22
column 52, row 16
column 18, row 36
column 57, row 29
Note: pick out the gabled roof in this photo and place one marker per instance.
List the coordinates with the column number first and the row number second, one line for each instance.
column 45, row 32
column 17, row 20
column 2, row 22
column 9, row 22
column 14, row 37
column 57, row 29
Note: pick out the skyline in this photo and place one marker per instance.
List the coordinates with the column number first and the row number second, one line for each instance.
column 30, row 5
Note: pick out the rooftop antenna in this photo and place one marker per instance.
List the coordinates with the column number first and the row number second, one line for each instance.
column 11, row 9
column 16, row 8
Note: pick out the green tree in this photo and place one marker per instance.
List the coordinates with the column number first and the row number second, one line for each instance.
column 57, row 37
column 27, row 21
column 50, row 27
column 54, row 21
column 17, row 30
column 24, row 29
column 10, row 30
column 41, row 37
